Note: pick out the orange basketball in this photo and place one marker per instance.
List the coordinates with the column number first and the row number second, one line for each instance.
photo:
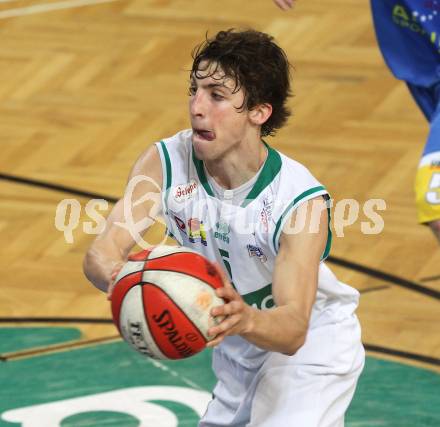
column 162, row 300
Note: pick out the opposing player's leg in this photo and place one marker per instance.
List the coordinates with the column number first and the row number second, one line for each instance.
column 427, row 189
column 427, row 184
column 313, row 388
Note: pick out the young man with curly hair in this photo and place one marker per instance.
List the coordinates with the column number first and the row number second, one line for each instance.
column 288, row 352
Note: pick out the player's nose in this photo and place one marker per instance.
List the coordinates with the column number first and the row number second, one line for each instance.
column 197, row 104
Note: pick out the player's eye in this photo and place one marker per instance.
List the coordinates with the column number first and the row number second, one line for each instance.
column 192, row 90
column 217, row 96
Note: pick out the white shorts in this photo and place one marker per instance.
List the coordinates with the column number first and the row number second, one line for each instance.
column 312, row 388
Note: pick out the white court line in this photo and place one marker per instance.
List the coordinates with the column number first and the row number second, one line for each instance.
column 165, row 368
column 41, row 8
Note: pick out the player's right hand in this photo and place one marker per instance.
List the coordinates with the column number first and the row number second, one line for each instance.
column 237, row 315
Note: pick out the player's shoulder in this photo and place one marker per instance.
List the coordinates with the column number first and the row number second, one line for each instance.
column 155, row 162
column 178, row 143
column 148, row 165
column 174, row 154
column 296, row 175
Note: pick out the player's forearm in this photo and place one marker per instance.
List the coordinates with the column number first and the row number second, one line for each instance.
column 281, row 329
column 98, row 266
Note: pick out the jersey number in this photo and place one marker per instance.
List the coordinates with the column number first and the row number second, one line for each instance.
column 225, row 256
column 433, row 196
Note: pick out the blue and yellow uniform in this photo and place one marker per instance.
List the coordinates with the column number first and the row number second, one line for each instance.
column 408, row 33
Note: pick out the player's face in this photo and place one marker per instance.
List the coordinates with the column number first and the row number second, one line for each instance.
column 218, row 122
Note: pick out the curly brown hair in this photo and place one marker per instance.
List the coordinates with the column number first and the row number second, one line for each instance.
column 256, row 63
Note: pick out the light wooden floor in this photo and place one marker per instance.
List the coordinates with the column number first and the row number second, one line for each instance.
column 84, row 90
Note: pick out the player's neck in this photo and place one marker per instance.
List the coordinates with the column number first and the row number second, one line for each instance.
column 237, row 166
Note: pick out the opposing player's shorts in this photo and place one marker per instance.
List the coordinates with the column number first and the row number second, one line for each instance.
column 312, row 388
column 427, row 183
column 427, row 188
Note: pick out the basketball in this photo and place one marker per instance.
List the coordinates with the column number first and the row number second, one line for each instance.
column 162, row 299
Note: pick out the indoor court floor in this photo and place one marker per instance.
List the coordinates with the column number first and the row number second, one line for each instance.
column 85, row 87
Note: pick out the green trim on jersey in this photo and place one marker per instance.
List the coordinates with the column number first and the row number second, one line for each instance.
column 225, row 256
column 167, row 179
column 329, row 235
column 290, row 208
column 201, row 173
column 261, row 299
column 270, row 170
column 167, row 165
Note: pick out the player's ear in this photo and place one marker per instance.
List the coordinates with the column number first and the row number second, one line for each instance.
column 260, row 113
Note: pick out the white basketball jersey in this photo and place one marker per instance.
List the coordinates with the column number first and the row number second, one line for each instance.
column 244, row 238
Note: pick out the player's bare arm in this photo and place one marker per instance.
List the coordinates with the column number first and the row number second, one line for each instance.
column 295, row 278
column 110, row 249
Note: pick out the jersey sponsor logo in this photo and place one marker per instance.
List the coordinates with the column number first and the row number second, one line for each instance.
column 180, row 223
column 184, row 192
column 196, row 232
column 222, row 231
column 266, row 213
column 168, row 328
column 416, row 20
column 137, row 339
column 256, row 251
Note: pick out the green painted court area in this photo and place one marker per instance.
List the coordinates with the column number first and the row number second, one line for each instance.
column 17, row 339
column 89, row 387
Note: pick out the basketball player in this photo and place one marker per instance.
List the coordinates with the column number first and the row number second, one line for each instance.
column 288, row 352
column 408, row 33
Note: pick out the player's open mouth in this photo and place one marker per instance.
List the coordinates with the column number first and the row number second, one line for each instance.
column 207, row 135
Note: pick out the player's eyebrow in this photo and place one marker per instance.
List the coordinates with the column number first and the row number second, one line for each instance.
column 210, row 85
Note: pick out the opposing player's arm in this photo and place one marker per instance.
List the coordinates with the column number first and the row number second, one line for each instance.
column 295, row 281
column 142, row 201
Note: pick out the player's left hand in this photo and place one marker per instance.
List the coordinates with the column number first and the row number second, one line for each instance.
column 238, row 315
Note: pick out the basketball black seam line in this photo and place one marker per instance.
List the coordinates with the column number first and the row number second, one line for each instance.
column 134, row 272
column 177, row 306
column 147, row 319
column 153, row 259
column 185, row 274
column 173, row 253
column 170, row 271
